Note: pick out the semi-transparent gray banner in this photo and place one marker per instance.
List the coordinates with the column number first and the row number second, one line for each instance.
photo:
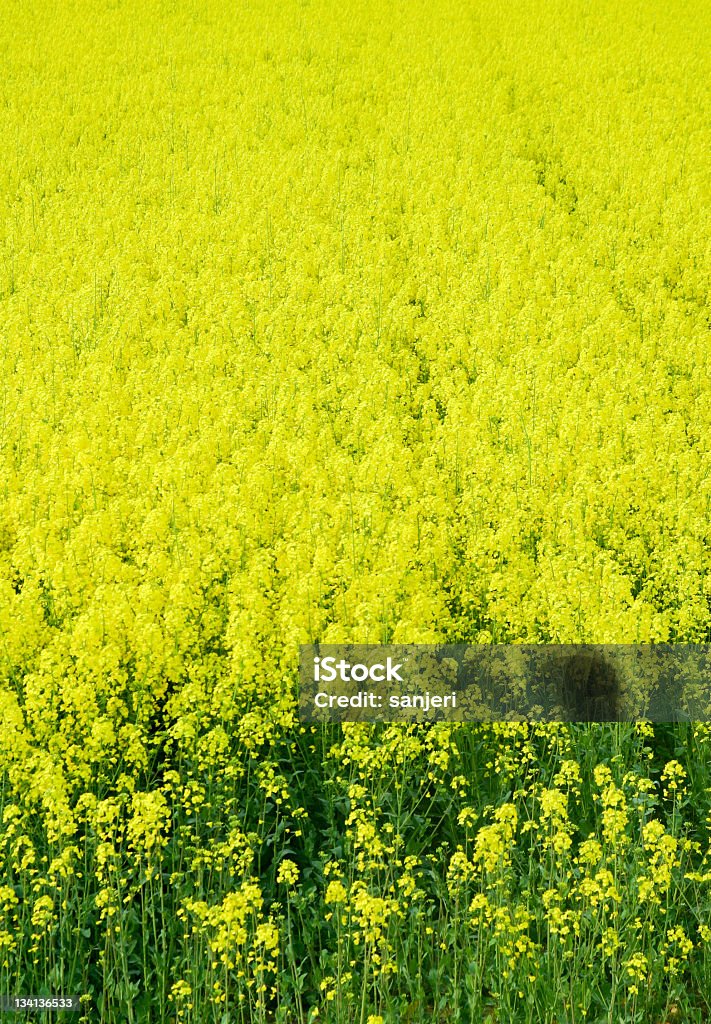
column 484, row 683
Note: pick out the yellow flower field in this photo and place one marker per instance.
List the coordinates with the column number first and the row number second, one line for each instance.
column 370, row 322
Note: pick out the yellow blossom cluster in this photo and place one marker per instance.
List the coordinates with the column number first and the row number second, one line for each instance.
column 367, row 323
